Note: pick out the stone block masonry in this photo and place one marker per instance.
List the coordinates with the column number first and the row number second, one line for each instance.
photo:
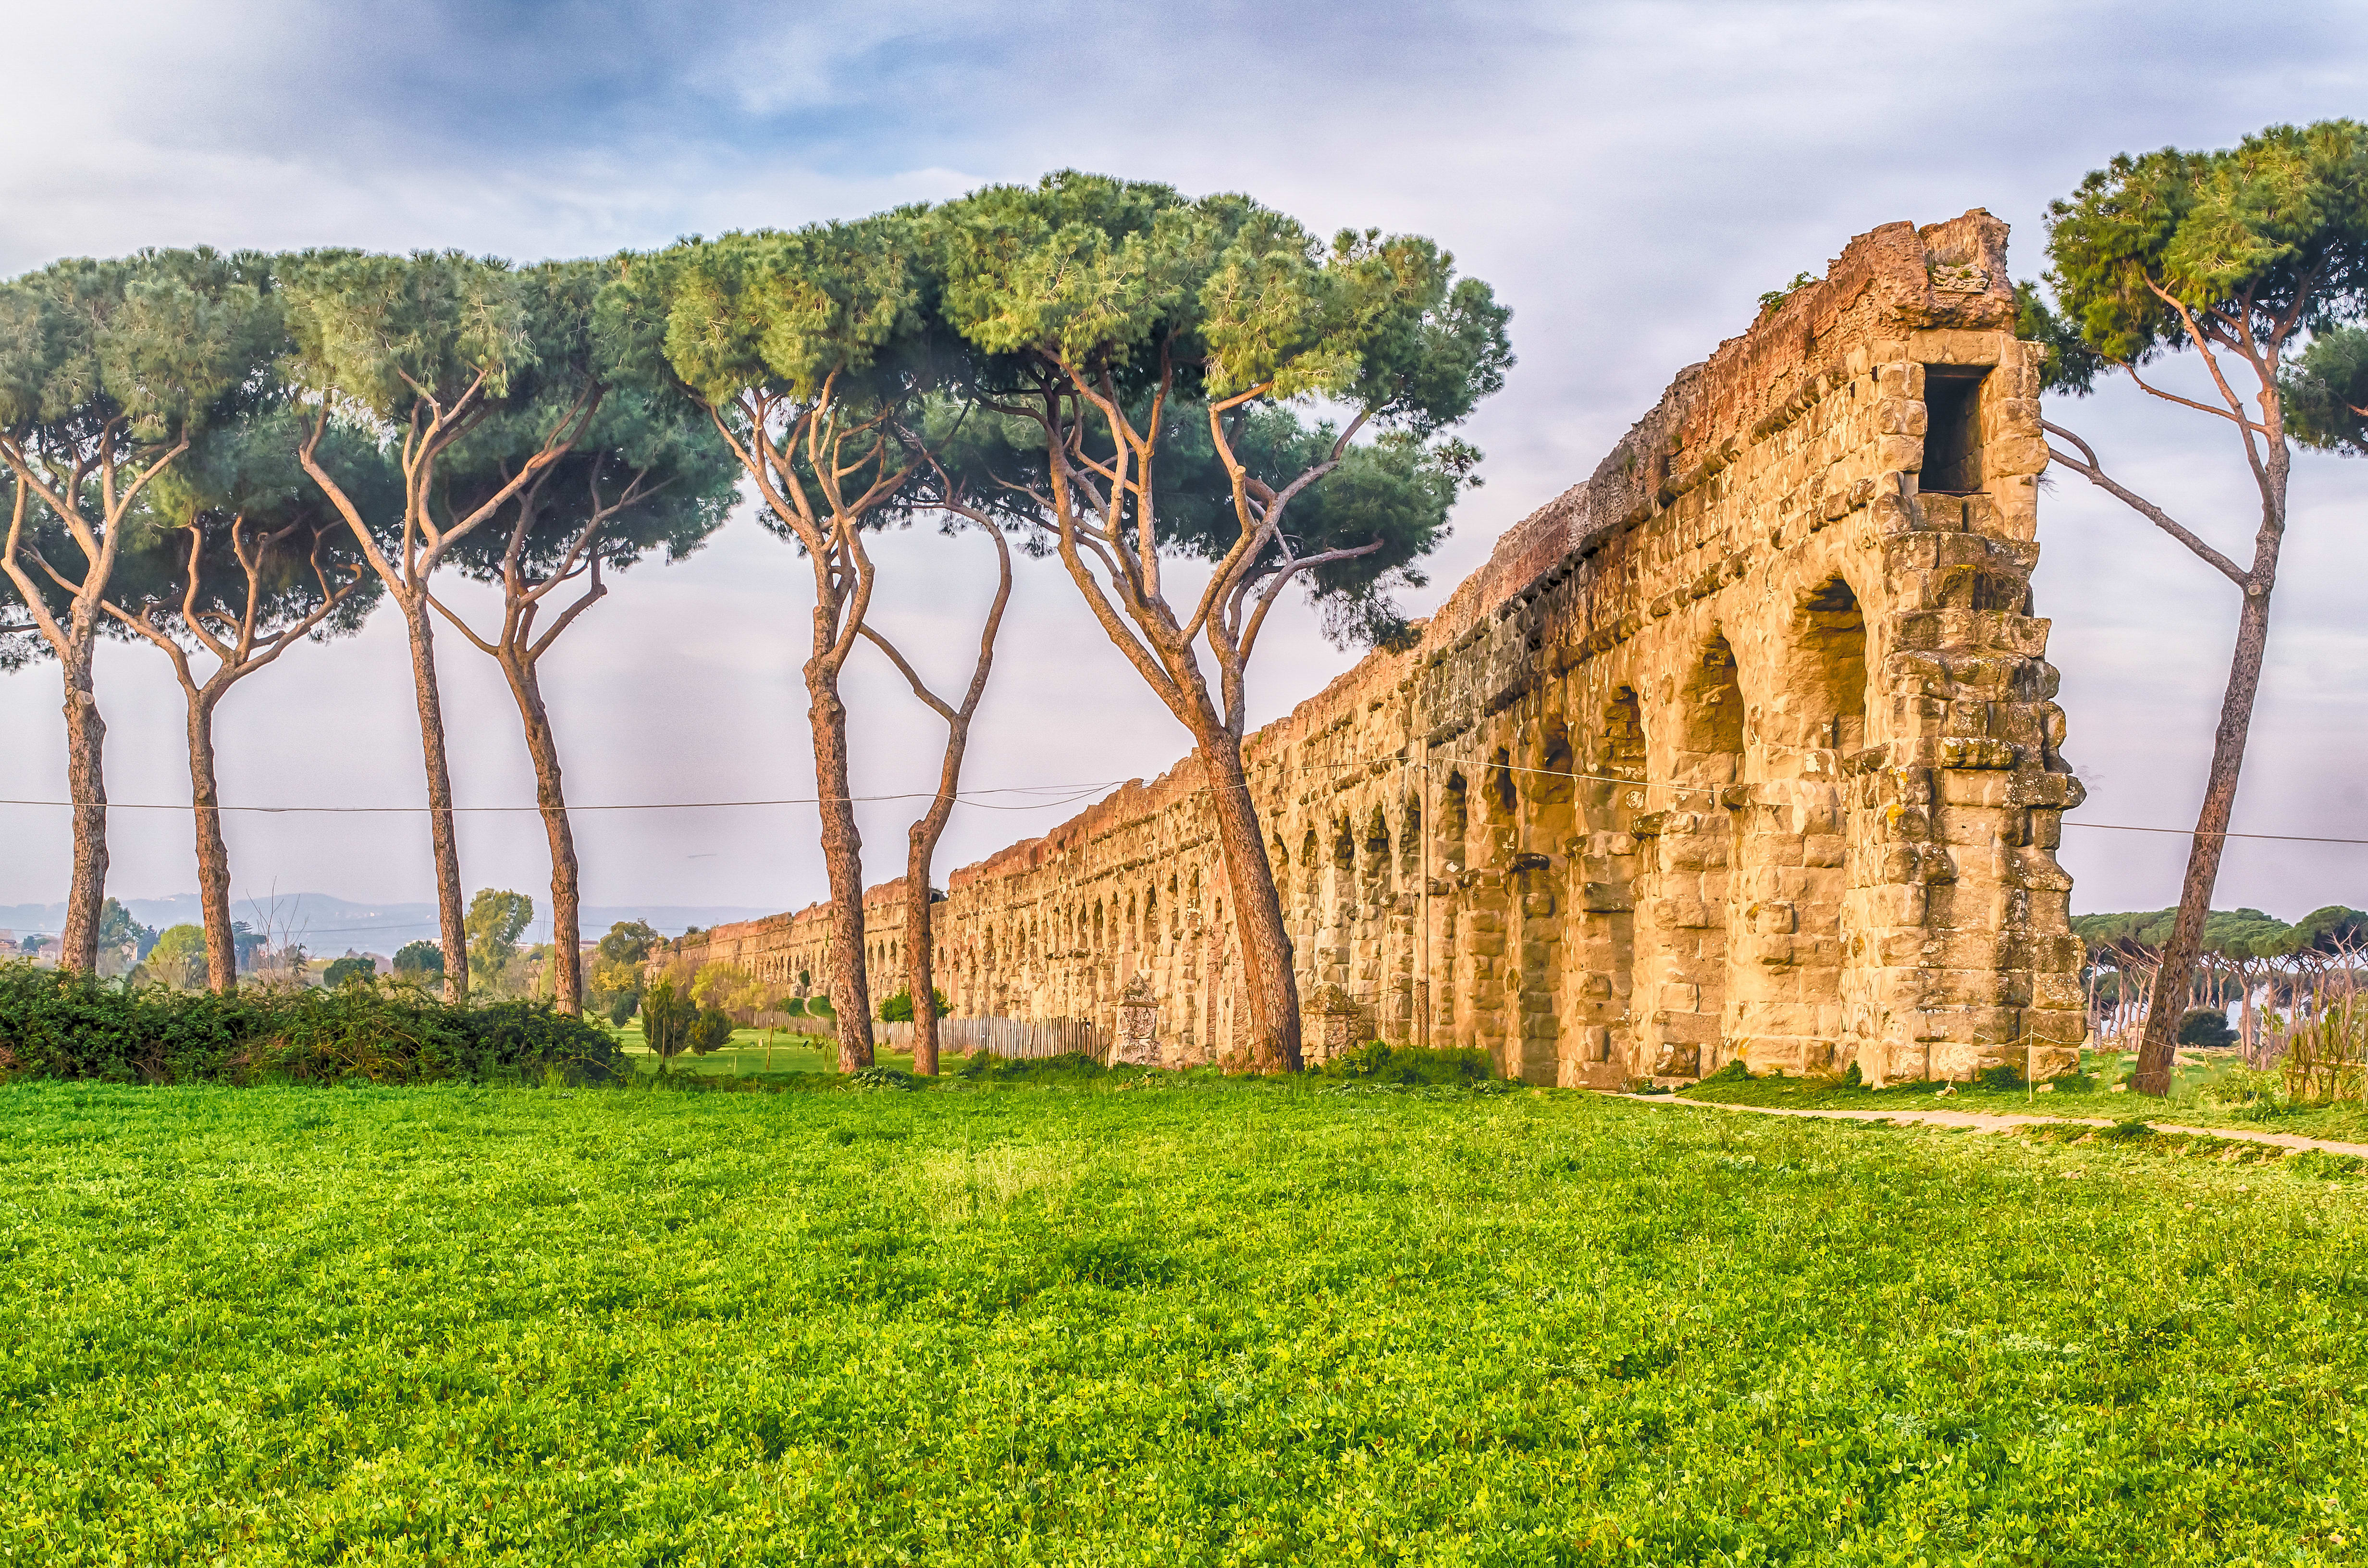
column 1743, row 748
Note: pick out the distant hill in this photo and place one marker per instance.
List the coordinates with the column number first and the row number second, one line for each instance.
column 329, row 924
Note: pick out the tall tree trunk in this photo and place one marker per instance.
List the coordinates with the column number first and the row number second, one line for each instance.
column 842, row 855
column 2175, row 977
column 920, row 933
column 87, row 787
column 214, row 853
column 566, row 908
column 920, row 956
column 1273, row 988
column 450, row 913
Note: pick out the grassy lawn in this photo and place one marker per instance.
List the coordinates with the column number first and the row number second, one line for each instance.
column 751, row 1054
column 2201, row 1096
column 1193, row 1323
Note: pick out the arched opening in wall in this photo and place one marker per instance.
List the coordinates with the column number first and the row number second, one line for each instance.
column 1683, row 950
column 1554, row 779
column 1710, row 716
column 1623, row 735
column 1825, row 676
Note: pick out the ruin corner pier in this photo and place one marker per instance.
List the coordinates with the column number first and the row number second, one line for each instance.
column 1743, row 748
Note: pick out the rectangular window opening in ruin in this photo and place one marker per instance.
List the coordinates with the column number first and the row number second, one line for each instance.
column 1953, row 429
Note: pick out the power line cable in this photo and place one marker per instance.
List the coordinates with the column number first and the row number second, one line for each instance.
column 1070, row 793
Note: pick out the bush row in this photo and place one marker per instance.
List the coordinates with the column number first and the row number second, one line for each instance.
column 64, row 1024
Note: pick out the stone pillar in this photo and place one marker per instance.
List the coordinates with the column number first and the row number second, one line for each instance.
column 1136, row 1044
column 1328, row 1024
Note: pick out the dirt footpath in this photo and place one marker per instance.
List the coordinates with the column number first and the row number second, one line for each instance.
column 1989, row 1122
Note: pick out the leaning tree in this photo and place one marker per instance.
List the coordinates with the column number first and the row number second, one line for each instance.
column 420, row 351
column 804, row 349
column 973, row 476
column 108, row 369
column 1118, row 316
column 646, row 475
column 244, row 560
column 2241, row 255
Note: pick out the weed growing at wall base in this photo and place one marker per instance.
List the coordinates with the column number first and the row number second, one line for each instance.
column 1227, row 1324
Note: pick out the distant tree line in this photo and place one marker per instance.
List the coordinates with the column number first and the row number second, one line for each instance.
column 2246, row 959
column 225, row 457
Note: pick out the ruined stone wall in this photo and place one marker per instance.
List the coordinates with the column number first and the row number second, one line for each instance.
column 1743, row 747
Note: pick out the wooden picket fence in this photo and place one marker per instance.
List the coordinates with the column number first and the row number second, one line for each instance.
column 1019, row 1039
column 794, row 1024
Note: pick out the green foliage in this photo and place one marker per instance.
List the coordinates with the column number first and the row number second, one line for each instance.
column 2265, row 238
column 1069, row 1067
column 2205, row 1029
column 819, row 1005
column 668, row 1016
column 117, row 931
column 166, row 341
column 1775, row 297
column 356, row 970
column 898, row 1008
column 622, row 1005
column 391, row 333
column 1851, row 1077
column 1379, row 1061
column 610, row 1328
column 1735, row 1072
column 419, row 959
column 177, row 961
column 2326, row 1059
column 1107, row 288
column 2000, row 1077
column 2327, row 393
column 628, row 942
column 68, row 1025
column 496, row 918
column 793, row 1006
column 710, row 1031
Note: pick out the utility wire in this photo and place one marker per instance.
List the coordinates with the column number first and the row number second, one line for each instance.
column 1070, row 793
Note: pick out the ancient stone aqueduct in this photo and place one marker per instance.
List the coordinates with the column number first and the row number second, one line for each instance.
column 1743, row 747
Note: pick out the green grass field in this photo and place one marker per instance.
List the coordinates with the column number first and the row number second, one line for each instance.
column 753, row 1054
column 1193, row 1323
column 2204, row 1093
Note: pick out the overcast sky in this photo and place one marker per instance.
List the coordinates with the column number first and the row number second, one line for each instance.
column 1631, row 177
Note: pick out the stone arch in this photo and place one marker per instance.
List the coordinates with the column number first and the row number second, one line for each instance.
column 1684, row 940
column 1454, row 820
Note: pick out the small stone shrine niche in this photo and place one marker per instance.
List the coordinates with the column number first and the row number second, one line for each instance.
column 1137, row 1042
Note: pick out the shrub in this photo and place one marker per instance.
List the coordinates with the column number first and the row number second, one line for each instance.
column 2206, row 1028
column 898, row 1009
column 1382, row 1063
column 622, row 1007
column 710, row 1031
column 2326, row 1056
column 343, row 970
column 65, row 1023
column 666, row 1018
column 820, row 1007
column 1853, row 1078
column 419, row 959
column 1068, row 1066
column 1735, row 1072
column 2005, row 1076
